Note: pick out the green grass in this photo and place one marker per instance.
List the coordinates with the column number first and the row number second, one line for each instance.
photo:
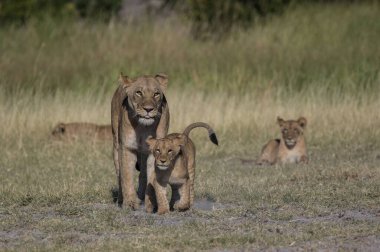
column 319, row 62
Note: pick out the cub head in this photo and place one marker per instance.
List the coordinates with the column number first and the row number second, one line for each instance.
column 291, row 130
column 165, row 150
column 145, row 96
column 59, row 130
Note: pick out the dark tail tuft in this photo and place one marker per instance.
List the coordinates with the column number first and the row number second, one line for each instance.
column 213, row 138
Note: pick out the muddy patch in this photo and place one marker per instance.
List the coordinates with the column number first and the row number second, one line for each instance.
column 209, row 205
column 349, row 215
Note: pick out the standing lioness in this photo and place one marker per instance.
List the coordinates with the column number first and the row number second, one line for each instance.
column 138, row 110
column 291, row 148
column 174, row 165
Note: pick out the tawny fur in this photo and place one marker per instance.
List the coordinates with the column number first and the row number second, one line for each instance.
column 174, row 165
column 77, row 130
column 291, row 148
column 138, row 110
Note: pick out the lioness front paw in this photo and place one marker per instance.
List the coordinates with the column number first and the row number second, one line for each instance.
column 304, row 160
column 180, row 206
column 132, row 204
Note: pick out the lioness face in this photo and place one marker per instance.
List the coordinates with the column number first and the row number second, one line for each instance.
column 165, row 151
column 58, row 130
column 291, row 130
column 145, row 97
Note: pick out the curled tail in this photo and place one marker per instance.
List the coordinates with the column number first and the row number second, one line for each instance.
column 211, row 132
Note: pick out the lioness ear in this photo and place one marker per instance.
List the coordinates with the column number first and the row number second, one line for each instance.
column 59, row 128
column 124, row 80
column 62, row 128
column 163, row 80
column 302, row 122
column 151, row 142
column 280, row 121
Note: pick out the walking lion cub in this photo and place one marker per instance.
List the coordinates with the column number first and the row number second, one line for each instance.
column 174, row 165
column 291, row 148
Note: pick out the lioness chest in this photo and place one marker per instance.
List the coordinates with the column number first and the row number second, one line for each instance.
column 291, row 156
column 136, row 139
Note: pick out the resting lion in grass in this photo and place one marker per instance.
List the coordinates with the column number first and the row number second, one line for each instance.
column 291, row 148
column 76, row 130
column 174, row 165
column 138, row 109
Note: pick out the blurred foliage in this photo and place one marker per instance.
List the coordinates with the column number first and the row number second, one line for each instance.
column 20, row 11
column 218, row 17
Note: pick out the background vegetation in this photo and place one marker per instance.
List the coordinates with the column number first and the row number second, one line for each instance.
column 316, row 60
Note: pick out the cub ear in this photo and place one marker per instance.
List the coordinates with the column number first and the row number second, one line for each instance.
column 124, row 80
column 151, row 142
column 280, row 121
column 181, row 140
column 302, row 122
column 163, row 80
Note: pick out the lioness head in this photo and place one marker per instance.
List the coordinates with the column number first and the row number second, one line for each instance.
column 291, row 130
column 165, row 151
column 59, row 130
column 145, row 96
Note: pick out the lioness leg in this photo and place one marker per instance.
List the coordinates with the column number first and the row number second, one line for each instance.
column 142, row 163
column 184, row 193
column 304, row 159
column 127, row 162
column 116, row 153
column 150, row 194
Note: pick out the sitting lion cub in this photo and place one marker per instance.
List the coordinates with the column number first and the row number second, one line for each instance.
column 174, row 164
column 291, row 148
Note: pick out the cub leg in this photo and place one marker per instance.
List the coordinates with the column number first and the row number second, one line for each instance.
column 150, row 199
column 162, row 201
column 184, row 193
column 175, row 196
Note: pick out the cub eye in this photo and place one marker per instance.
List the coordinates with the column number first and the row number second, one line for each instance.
column 284, row 131
column 156, row 94
column 139, row 93
column 170, row 151
column 157, row 151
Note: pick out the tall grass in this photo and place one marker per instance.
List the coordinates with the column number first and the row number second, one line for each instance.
column 326, row 51
column 316, row 61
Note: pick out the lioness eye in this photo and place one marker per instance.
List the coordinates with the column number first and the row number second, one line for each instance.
column 156, row 94
column 285, row 131
column 138, row 93
column 157, row 151
column 170, row 151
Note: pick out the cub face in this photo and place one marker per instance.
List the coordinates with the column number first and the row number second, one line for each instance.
column 165, row 150
column 291, row 130
column 145, row 96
